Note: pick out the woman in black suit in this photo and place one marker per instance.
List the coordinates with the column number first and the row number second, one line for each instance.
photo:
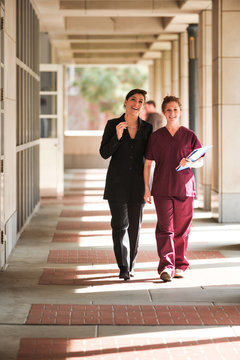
column 125, row 140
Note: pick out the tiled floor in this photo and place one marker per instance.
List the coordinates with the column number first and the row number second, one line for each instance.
column 130, row 348
column 61, row 297
column 107, row 257
column 133, row 315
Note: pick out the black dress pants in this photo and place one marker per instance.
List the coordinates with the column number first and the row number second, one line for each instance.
column 126, row 222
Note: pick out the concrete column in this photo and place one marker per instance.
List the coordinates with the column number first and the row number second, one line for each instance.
column 158, row 83
column 167, row 78
column 205, row 101
column 183, row 78
column 54, row 55
column 175, row 68
column 226, row 109
column 45, row 49
column 151, row 81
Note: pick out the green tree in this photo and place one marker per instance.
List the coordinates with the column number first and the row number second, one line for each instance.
column 109, row 86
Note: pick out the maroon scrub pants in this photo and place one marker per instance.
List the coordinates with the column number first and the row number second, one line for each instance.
column 174, row 223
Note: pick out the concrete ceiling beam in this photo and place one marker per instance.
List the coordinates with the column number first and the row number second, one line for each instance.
column 115, row 31
column 140, row 7
column 160, row 46
column 106, row 25
column 134, row 56
column 103, row 62
column 112, row 38
column 128, row 47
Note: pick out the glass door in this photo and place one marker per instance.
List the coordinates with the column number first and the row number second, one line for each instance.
column 51, row 127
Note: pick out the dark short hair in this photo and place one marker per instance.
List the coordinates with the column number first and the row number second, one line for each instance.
column 151, row 102
column 169, row 99
column 136, row 91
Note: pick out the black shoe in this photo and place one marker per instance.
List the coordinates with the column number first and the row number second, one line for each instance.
column 124, row 275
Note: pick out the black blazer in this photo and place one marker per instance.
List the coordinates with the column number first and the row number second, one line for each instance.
column 124, row 181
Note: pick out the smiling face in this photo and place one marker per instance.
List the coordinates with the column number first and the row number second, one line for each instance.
column 134, row 104
column 172, row 112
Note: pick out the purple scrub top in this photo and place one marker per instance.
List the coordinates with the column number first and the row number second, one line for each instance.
column 167, row 151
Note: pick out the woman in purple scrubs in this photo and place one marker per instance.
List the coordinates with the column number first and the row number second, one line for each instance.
column 173, row 191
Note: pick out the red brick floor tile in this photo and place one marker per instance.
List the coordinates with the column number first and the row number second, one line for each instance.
column 132, row 315
column 72, row 238
column 86, row 225
column 208, row 254
column 81, row 213
column 81, row 173
column 88, row 278
column 90, row 183
column 129, row 348
column 93, row 256
column 70, row 199
column 81, row 181
column 69, row 203
column 82, row 256
column 93, row 225
column 75, row 198
column 86, row 188
column 77, row 277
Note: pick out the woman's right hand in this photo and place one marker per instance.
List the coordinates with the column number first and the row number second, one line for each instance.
column 120, row 128
column 147, row 196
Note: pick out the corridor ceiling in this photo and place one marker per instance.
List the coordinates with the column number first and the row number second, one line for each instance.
column 115, row 31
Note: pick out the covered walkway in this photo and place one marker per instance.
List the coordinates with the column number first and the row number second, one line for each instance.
column 61, row 297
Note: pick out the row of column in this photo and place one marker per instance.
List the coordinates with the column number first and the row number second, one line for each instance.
column 202, row 68
column 169, row 75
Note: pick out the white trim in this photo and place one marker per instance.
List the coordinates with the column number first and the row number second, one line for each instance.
column 27, row 145
column 50, row 67
column 48, row 116
column 48, row 92
column 27, row 69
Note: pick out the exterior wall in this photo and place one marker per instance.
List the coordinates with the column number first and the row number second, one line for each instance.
column 82, row 151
